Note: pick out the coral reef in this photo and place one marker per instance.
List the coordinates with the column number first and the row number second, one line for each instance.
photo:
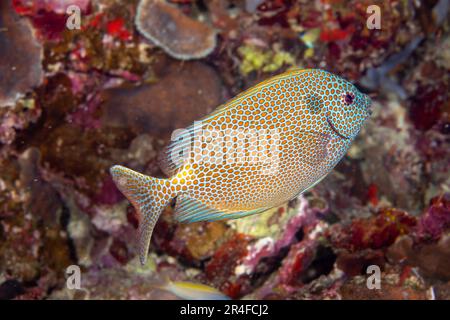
column 75, row 102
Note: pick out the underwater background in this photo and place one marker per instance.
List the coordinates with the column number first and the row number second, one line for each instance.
column 75, row 100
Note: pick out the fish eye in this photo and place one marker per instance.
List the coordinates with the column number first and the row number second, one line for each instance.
column 348, row 98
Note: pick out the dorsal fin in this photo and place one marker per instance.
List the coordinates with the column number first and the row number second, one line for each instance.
column 177, row 151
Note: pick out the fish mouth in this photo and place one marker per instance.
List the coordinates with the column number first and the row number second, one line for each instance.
column 335, row 130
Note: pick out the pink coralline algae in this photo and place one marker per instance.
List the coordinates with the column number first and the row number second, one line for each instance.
column 436, row 220
column 49, row 17
column 58, row 6
column 269, row 247
column 223, row 263
column 297, row 261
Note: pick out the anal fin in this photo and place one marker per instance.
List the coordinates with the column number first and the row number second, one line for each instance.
column 189, row 210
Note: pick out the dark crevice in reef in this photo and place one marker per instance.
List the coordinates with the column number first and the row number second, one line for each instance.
column 11, row 289
column 267, row 266
column 300, row 234
column 329, row 217
column 65, row 220
column 321, row 265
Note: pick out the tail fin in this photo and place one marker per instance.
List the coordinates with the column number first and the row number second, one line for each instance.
column 148, row 198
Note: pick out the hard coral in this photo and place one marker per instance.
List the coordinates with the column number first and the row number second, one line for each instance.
column 180, row 36
column 174, row 102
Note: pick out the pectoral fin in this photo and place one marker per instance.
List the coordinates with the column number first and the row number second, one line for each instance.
column 313, row 147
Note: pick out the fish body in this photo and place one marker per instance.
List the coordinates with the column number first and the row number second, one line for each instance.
column 259, row 150
column 193, row 291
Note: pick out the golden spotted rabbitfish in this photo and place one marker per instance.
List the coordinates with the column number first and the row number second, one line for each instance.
column 262, row 148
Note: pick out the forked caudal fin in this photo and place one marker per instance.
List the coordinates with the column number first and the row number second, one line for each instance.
column 149, row 197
